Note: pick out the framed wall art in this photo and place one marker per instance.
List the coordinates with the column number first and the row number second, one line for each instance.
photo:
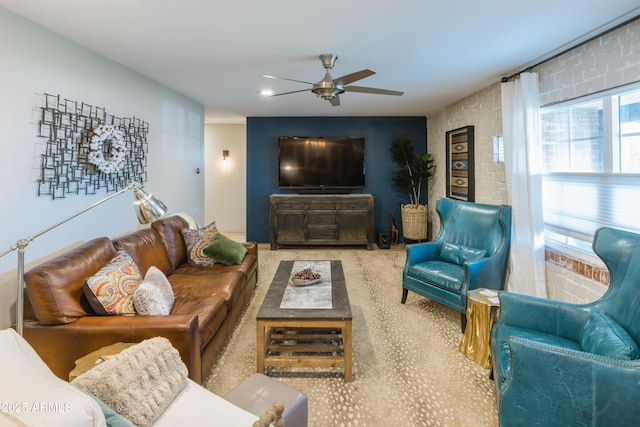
column 460, row 164
column 87, row 150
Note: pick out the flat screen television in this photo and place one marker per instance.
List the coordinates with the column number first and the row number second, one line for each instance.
column 321, row 164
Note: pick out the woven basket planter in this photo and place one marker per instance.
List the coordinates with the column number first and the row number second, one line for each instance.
column 414, row 222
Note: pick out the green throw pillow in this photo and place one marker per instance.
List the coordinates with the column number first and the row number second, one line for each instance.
column 225, row 251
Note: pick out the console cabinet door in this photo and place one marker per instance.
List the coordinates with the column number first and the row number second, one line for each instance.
column 355, row 219
column 353, row 228
column 291, row 227
column 288, row 223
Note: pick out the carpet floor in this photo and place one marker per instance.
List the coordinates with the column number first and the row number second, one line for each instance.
column 407, row 369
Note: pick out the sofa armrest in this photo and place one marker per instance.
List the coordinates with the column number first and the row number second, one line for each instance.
column 543, row 315
column 61, row 345
column 598, row 390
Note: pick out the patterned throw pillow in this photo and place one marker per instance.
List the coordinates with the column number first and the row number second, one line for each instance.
column 154, row 296
column 110, row 290
column 196, row 241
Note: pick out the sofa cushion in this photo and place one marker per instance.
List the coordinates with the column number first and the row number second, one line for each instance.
column 110, row 290
column 442, row 274
column 227, row 284
column 204, row 409
column 459, row 254
column 55, row 287
column 170, row 231
column 140, row 382
column 146, row 249
column 154, row 296
column 225, row 251
column 604, row 336
column 211, row 311
column 192, row 223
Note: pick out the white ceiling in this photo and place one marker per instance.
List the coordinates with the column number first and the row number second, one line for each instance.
column 214, row 51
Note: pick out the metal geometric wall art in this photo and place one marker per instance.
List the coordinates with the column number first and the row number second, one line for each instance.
column 460, row 164
column 87, row 150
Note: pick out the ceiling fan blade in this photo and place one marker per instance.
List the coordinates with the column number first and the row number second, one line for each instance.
column 286, row 93
column 374, row 90
column 335, row 101
column 284, row 78
column 350, row 78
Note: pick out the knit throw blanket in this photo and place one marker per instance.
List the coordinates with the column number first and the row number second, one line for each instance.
column 140, row 382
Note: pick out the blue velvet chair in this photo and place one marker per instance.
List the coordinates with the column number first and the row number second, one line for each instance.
column 470, row 252
column 562, row 364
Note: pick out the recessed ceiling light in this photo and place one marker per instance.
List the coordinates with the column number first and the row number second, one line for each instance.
column 266, row 92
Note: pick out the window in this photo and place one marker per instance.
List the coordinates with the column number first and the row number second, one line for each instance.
column 591, row 167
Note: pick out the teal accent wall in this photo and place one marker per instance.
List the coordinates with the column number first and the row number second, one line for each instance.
column 262, row 160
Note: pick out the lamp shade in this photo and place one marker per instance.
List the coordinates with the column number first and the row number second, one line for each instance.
column 148, row 207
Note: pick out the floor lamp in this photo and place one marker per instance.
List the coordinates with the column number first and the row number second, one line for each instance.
column 148, row 208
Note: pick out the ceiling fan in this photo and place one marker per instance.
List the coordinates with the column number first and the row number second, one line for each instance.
column 329, row 88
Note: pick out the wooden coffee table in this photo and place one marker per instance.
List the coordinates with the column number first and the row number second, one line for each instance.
column 305, row 337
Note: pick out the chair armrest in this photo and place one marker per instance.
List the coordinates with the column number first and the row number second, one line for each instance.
column 570, row 387
column 543, row 315
column 420, row 252
column 61, row 345
column 479, row 274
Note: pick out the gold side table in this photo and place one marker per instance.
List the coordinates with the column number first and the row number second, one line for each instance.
column 483, row 309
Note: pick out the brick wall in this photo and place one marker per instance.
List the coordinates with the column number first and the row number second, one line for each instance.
column 483, row 111
column 605, row 62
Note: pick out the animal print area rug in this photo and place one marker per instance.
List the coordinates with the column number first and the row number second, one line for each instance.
column 407, row 369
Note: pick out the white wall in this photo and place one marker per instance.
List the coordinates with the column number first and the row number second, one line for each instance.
column 225, row 185
column 36, row 61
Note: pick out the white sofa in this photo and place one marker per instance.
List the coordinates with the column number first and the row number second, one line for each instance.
column 31, row 395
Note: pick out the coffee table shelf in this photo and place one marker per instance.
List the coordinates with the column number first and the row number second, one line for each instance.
column 307, row 338
column 304, row 341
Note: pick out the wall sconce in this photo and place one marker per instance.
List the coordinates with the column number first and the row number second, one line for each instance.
column 498, row 149
column 225, row 154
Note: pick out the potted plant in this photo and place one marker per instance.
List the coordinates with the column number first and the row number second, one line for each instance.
column 411, row 179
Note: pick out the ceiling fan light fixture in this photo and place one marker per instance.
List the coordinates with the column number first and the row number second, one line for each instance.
column 327, row 92
column 329, row 88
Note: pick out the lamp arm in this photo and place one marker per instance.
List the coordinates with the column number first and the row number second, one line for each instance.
column 21, row 245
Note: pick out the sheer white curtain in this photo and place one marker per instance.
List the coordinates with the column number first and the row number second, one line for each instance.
column 522, row 158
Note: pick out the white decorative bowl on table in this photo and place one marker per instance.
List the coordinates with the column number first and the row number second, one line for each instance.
column 305, row 277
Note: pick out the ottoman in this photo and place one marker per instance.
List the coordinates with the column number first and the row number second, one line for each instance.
column 258, row 393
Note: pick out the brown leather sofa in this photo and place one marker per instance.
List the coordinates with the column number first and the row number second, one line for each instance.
column 62, row 327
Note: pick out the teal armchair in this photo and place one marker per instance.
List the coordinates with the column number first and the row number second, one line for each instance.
column 471, row 251
column 563, row 364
